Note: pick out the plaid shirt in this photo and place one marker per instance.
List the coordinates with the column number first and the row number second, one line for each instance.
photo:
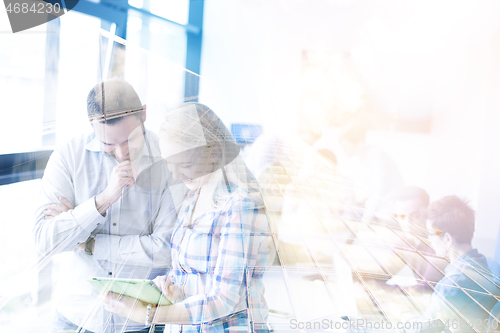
column 218, row 261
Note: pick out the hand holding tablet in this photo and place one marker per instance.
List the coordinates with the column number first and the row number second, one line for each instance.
column 143, row 290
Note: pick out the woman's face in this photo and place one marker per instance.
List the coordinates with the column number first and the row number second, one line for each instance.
column 194, row 167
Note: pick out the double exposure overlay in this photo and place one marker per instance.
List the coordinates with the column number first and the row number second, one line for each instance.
column 349, row 187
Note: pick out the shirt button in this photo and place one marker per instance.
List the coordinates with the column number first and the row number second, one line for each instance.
column 114, row 224
column 109, row 273
column 98, row 223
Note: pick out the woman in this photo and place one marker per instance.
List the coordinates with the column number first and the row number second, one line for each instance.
column 221, row 243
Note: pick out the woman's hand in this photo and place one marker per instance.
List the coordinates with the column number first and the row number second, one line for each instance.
column 125, row 306
column 168, row 288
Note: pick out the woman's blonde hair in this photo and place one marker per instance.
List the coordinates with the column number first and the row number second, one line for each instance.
column 193, row 125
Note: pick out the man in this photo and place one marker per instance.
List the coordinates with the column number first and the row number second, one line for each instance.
column 466, row 291
column 408, row 205
column 105, row 203
column 371, row 171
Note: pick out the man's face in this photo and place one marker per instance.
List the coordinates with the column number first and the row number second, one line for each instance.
column 406, row 213
column 123, row 140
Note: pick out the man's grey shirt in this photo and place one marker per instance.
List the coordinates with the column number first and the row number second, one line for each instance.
column 131, row 240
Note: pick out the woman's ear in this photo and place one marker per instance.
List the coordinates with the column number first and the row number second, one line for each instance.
column 216, row 154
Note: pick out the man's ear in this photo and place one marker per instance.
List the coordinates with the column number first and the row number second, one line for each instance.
column 144, row 113
column 448, row 239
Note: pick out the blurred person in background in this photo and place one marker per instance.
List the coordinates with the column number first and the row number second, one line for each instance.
column 408, row 206
column 100, row 205
column 467, row 290
column 310, row 201
column 264, row 152
column 371, row 171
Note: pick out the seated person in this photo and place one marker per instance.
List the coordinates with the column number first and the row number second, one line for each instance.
column 466, row 293
column 408, row 205
column 372, row 171
column 221, row 242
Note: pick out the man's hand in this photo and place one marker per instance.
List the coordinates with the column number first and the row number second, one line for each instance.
column 122, row 175
column 53, row 210
column 82, row 246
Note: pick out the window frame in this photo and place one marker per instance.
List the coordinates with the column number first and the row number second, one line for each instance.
column 24, row 166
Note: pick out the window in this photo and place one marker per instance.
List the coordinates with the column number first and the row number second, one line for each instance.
column 45, row 76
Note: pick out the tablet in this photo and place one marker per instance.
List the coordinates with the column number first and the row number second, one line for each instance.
column 143, row 290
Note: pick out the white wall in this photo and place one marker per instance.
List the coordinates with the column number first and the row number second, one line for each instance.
column 418, row 58
column 253, row 51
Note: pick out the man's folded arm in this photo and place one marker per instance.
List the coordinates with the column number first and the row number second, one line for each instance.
column 67, row 230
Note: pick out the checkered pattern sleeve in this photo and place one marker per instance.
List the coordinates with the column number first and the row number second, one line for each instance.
column 242, row 253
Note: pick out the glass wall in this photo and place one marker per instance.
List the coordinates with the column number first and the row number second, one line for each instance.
column 46, row 75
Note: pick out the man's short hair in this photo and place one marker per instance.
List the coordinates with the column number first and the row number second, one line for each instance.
column 454, row 216
column 119, row 100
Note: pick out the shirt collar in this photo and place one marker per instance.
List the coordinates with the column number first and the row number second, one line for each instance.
column 93, row 145
column 471, row 258
column 471, row 254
